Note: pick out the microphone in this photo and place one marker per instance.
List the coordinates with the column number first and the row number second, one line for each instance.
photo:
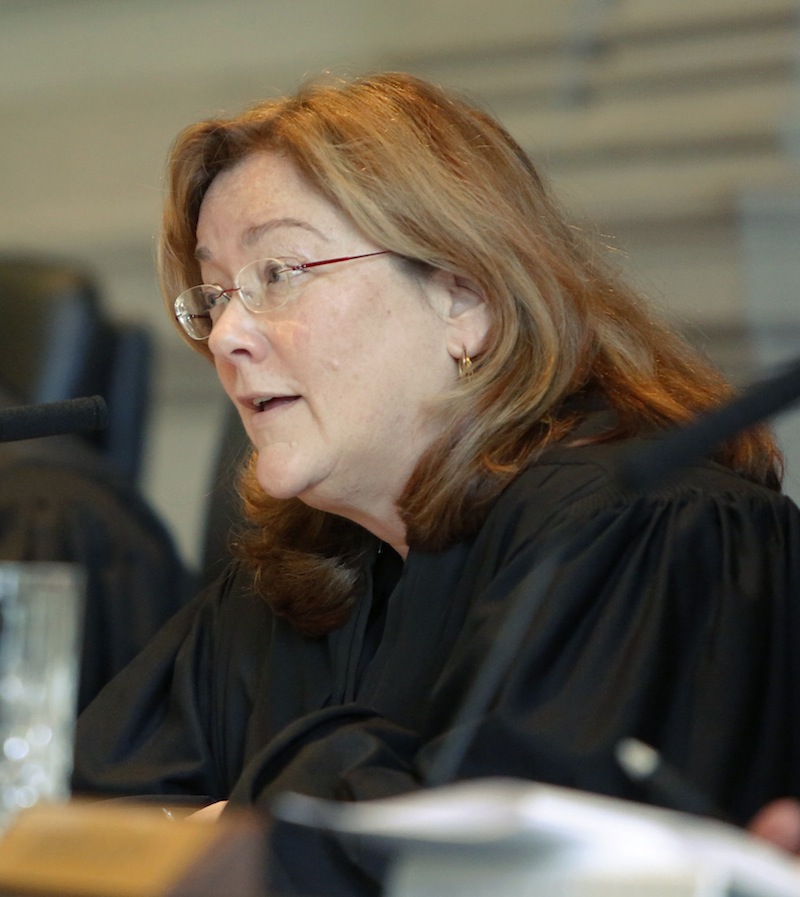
column 53, row 418
column 649, row 466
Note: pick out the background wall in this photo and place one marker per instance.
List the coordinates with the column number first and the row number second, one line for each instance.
column 673, row 127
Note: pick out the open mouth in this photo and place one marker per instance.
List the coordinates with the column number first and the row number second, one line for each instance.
column 270, row 403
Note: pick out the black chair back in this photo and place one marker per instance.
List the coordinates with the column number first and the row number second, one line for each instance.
column 56, row 342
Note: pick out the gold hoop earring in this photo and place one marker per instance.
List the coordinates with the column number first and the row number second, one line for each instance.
column 464, row 366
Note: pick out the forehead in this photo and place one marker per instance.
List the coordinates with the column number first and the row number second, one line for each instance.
column 261, row 194
column 257, row 176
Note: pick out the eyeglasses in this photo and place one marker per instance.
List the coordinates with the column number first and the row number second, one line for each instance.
column 263, row 285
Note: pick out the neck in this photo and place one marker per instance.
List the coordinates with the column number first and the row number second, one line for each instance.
column 389, row 530
column 385, row 523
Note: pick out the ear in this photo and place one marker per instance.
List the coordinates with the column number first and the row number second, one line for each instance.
column 466, row 314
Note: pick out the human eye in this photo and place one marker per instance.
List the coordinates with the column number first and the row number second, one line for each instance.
column 265, row 284
column 273, row 272
column 213, row 300
column 213, row 297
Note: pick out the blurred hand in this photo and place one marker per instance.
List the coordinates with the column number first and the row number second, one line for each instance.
column 211, row 813
column 779, row 823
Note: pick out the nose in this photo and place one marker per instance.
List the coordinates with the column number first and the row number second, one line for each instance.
column 237, row 333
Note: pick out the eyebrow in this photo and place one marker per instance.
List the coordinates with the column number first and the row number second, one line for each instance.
column 253, row 234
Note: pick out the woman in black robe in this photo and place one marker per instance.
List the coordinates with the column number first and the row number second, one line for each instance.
column 438, row 375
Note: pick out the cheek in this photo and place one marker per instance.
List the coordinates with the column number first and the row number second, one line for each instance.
column 339, row 347
column 363, row 342
column 356, row 363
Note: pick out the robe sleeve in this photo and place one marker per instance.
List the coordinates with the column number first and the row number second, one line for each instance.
column 173, row 721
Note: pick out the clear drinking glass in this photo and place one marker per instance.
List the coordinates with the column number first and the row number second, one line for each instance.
column 41, row 614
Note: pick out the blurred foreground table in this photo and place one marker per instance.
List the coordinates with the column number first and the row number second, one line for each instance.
column 97, row 849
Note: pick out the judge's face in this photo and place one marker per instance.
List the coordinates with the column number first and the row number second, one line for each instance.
column 333, row 386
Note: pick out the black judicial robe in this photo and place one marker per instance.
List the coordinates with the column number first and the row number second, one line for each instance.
column 673, row 617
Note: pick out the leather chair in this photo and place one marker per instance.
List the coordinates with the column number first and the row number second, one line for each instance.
column 57, row 342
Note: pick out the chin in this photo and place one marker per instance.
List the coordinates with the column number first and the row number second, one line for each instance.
column 280, row 478
column 279, row 487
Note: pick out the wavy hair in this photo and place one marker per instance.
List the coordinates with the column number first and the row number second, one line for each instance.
column 439, row 182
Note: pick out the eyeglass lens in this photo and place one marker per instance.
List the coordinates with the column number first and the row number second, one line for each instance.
column 263, row 285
